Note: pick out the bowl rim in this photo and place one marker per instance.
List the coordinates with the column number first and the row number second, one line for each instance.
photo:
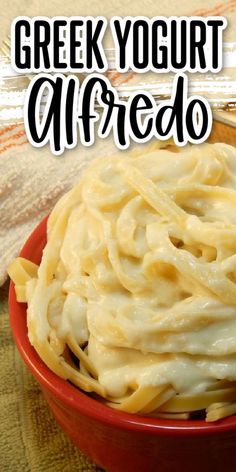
column 78, row 400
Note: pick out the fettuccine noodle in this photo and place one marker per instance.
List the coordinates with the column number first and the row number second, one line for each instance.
column 135, row 296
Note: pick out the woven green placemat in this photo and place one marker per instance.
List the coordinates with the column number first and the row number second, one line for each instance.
column 30, row 441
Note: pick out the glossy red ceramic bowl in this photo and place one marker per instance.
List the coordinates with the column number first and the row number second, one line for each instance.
column 117, row 441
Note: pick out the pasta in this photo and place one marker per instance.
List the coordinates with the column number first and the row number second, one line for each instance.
column 135, row 297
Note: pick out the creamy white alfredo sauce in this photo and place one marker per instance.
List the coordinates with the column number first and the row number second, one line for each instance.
column 147, row 268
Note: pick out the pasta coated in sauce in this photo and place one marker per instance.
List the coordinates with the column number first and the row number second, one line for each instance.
column 138, row 281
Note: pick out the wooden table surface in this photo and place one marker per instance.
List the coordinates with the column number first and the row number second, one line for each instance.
column 222, row 133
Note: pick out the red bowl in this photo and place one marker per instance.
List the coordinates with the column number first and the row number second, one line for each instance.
column 121, row 442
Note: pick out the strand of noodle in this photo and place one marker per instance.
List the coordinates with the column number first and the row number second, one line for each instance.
column 56, row 229
column 86, row 383
column 52, row 249
column 198, row 401
column 59, row 365
column 156, row 198
column 45, row 351
column 57, row 344
column 37, row 320
column 21, row 293
column 208, row 169
column 68, row 358
column 21, row 270
column 208, row 233
column 212, row 190
column 221, row 384
column 206, row 189
column 29, row 289
column 107, row 196
column 139, row 399
column 76, row 349
column 83, row 370
column 214, row 406
column 207, row 274
column 134, row 283
column 69, row 200
column 160, row 399
column 126, row 227
column 172, row 416
column 130, row 283
column 64, row 367
column 218, row 413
